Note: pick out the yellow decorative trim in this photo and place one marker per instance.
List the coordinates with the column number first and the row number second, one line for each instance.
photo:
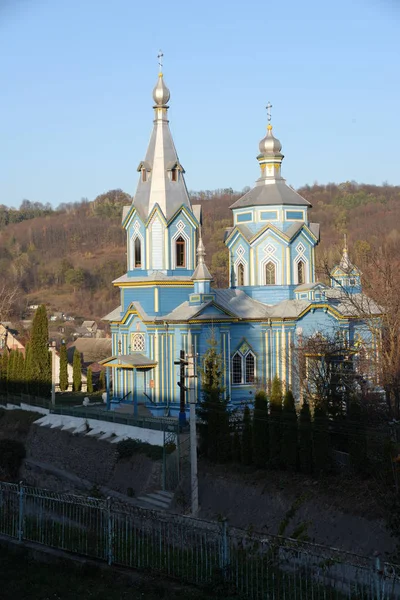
column 156, row 308
column 152, row 283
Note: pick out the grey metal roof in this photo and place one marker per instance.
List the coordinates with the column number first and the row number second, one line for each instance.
column 183, row 312
column 159, row 189
column 240, row 304
column 275, row 193
column 310, row 286
column 289, row 308
column 134, row 360
column 196, row 209
column 248, row 234
column 114, row 315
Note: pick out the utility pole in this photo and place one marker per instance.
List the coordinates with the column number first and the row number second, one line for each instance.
column 53, row 373
column 193, row 437
column 182, row 362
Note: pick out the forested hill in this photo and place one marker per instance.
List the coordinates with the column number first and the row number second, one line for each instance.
column 67, row 257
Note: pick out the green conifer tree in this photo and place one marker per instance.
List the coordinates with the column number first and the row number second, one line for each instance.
column 247, row 438
column 28, row 368
column 11, row 371
column 215, row 440
column 89, row 381
column 40, row 361
column 305, row 439
column 275, row 423
column 321, row 441
column 20, row 373
column 4, row 371
column 77, row 372
column 289, row 433
column 261, row 429
column 102, row 380
column 63, row 368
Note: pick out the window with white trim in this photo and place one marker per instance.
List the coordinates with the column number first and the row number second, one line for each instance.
column 180, row 247
column 243, row 370
column 137, row 342
column 301, row 272
column 137, row 252
column 240, row 274
column 270, row 273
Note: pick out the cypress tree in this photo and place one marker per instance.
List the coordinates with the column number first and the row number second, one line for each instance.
column 4, row 371
column 236, row 448
column 275, row 425
column 40, row 362
column 247, row 438
column 215, row 439
column 77, row 372
column 102, row 380
column 11, row 372
column 305, row 439
column 20, row 373
column 321, row 441
column 28, row 368
column 63, row 368
column 89, row 381
column 261, row 429
column 289, row 432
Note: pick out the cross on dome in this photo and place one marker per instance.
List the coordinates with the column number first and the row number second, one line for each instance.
column 268, row 107
column 160, row 56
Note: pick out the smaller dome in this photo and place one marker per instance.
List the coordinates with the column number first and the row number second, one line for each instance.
column 270, row 144
column 161, row 93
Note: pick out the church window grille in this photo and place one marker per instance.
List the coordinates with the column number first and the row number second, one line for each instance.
column 301, row 272
column 352, row 282
column 180, row 252
column 237, row 369
column 138, row 252
column 250, row 368
column 137, row 342
column 270, row 273
column 240, row 274
column 243, row 368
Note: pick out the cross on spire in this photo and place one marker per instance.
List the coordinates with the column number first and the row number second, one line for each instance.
column 268, row 107
column 160, row 56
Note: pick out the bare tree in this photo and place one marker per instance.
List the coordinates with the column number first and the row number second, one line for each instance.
column 9, row 296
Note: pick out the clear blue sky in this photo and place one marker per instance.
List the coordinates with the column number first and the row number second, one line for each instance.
column 76, row 81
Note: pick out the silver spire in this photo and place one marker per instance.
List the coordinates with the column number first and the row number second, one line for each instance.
column 201, row 271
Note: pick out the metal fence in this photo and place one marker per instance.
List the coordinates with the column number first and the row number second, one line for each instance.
column 199, row 552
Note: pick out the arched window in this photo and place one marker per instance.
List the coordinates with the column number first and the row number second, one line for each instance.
column 180, row 252
column 270, row 273
column 137, row 342
column 240, row 274
column 243, row 368
column 137, row 253
column 301, row 272
column 237, row 369
column 250, row 368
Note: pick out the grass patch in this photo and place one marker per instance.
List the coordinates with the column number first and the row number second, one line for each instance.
column 16, row 421
column 76, row 398
column 127, row 448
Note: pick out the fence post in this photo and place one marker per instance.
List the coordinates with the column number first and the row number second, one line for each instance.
column 20, row 512
column 110, row 532
column 224, row 555
column 377, row 573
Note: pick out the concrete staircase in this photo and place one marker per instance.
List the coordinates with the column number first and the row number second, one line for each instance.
column 159, row 500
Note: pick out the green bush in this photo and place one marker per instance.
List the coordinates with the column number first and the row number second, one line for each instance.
column 127, row 448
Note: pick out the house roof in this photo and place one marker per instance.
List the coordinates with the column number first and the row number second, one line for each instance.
column 92, row 349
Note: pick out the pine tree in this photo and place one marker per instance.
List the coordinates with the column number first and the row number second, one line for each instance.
column 77, row 372
column 305, row 439
column 289, row 432
column 40, row 361
column 4, row 372
column 102, row 380
column 261, row 429
column 247, row 438
column 63, row 368
column 275, row 424
column 321, row 441
column 28, row 368
column 89, row 381
column 215, row 440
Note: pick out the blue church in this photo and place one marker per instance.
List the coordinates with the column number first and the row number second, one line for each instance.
column 273, row 301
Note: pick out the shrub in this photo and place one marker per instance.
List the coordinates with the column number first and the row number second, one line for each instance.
column 12, row 453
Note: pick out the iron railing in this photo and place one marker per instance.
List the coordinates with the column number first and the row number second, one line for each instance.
column 200, row 552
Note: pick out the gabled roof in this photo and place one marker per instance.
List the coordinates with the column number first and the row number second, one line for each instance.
column 287, row 235
column 276, row 193
column 304, row 287
column 136, row 360
column 114, row 315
